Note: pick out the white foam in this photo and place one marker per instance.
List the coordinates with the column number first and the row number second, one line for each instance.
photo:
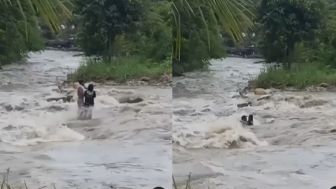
column 32, row 127
column 222, row 133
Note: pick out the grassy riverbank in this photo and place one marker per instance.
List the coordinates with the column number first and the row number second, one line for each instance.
column 121, row 69
column 300, row 76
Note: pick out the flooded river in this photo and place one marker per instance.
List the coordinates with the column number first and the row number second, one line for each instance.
column 42, row 143
column 291, row 145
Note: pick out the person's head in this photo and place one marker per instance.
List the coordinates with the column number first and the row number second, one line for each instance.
column 90, row 87
column 81, row 82
column 244, row 118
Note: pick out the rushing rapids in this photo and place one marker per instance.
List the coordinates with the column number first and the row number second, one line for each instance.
column 290, row 145
column 43, row 144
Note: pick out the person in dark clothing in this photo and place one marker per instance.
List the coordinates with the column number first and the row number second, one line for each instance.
column 250, row 120
column 247, row 120
column 89, row 96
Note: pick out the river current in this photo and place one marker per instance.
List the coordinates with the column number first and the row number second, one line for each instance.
column 291, row 144
column 43, row 144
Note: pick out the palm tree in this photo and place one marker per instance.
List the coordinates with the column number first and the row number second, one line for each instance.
column 53, row 12
column 234, row 16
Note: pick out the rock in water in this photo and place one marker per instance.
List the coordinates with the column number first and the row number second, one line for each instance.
column 9, row 108
column 130, row 100
column 19, row 108
column 244, row 104
column 324, row 85
column 65, row 99
column 146, row 79
column 260, row 91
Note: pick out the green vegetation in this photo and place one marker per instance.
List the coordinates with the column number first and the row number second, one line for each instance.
column 303, row 42
column 199, row 27
column 284, row 24
column 19, row 25
column 101, row 21
column 114, row 31
column 121, row 69
column 118, row 33
column 300, row 76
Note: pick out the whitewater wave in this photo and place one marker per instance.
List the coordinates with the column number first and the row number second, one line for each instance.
column 29, row 128
column 222, row 133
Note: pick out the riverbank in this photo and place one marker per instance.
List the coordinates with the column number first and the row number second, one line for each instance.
column 301, row 76
column 124, row 70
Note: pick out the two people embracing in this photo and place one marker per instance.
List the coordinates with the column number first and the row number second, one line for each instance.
column 85, row 101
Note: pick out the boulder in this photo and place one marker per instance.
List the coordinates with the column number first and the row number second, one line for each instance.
column 130, row 99
column 324, row 85
column 242, row 105
column 146, row 79
column 65, row 99
column 9, row 108
column 260, row 91
column 18, row 108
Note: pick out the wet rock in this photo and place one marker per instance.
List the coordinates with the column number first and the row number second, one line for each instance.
column 266, row 97
column 242, row 105
column 9, row 127
column 146, row 79
column 333, row 131
column 18, row 108
column 260, row 91
column 300, row 172
column 313, row 103
column 324, row 85
column 130, row 99
column 236, row 96
column 9, row 108
column 64, row 99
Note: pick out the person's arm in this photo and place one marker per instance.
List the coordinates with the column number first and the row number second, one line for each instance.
column 94, row 94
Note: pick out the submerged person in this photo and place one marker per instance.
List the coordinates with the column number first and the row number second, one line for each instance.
column 89, row 96
column 247, row 120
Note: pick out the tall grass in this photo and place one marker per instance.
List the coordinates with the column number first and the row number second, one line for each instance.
column 120, row 69
column 300, row 76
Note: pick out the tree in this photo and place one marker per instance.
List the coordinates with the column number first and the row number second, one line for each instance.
column 205, row 20
column 19, row 25
column 284, row 23
column 100, row 21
